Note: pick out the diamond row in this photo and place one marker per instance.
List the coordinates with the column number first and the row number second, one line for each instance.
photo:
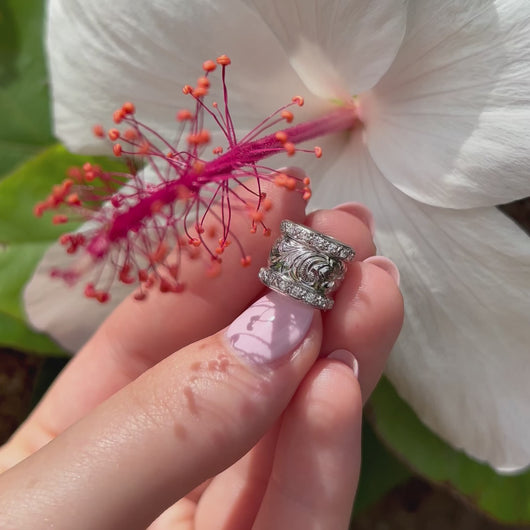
column 321, row 242
column 277, row 282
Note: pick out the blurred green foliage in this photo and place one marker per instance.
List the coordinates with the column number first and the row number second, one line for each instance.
column 506, row 498
column 24, row 94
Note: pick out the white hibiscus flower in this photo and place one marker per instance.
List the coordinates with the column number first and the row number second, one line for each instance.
column 443, row 89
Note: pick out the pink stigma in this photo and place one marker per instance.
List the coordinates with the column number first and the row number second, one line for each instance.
column 143, row 229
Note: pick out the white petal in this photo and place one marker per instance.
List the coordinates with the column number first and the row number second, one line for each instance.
column 449, row 124
column 104, row 53
column 462, row 360
column 61, row 311
column 339, row 47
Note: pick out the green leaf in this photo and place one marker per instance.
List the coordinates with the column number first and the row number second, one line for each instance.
column 24, row 94
column 506, row 498
column 24, row 239
column 381, row 471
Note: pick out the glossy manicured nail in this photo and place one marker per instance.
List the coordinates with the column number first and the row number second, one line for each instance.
column 346, row 357
column 361, row 212
column 387, row 265
column 270, row 329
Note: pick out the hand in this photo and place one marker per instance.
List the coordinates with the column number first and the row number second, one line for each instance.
column 136, row 427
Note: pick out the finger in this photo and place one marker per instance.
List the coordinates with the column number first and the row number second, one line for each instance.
column 233, row 498
column 139, row 334
column 345, row 226
column 318, row 453
column 234, row 509
column 368, row 311
column 366, row 319
column 186, row 419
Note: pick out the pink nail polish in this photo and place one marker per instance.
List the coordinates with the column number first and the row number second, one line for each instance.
column 270, row 329
column 361, row 212
column 387, row 265
column 346, row 357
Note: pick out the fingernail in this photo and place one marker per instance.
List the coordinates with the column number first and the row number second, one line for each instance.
column 346, row 357
column 270, row 329
column 361, row 212
column 385, row 264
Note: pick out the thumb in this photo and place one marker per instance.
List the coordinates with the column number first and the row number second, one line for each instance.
column 186, row 419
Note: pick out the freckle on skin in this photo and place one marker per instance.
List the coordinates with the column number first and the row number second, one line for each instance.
column 213, row 365
column 180, row 431
column 190, row 398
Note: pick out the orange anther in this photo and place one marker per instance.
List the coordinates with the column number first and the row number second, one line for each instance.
column 209, row 66
column 165, row 286
column 116, row 148
column 98, row 131
column 223, row 60
column 318, row 151
column 219, row 250
column 287, row 115
column 267, row 204
column 299, row 100
column 184, row 115
column 198, row 167
column 290, row 148
column 281, row 136
column 118, row 116
column 89, row 176
column 306, row 181
column 73, row 199
column 203, row 82
column 187, row 89
column 75, row 173
column 256, row 216
column 130, row 135
column 59, row 219
column 200, row 92
column 267, row 232
column 307, row 194
column 199, row 229
column 202, row 137
column 128, row 108
column 246, row 261
column 66, row 185
column 194, row 242
column 102, row 297
column 90, row 290
column 217, row 150
column 113, row 134
column 290, row 183
column 280, row 179
column 125, row 276
column 39, row 209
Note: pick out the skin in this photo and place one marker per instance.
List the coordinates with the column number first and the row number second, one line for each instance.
column 157, row 423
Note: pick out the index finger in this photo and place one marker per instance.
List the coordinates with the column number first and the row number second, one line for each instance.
column 138, row 335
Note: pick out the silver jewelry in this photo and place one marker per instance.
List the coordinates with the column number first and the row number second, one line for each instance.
column 306, row 265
